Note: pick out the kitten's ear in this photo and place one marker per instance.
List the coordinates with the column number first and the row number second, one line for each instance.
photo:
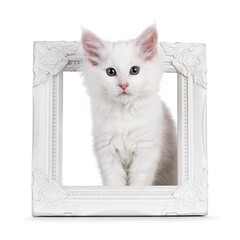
column 93, row 47
column 148, row 43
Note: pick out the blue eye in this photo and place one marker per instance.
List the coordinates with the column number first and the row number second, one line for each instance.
column 111, row 72
column 134, row 70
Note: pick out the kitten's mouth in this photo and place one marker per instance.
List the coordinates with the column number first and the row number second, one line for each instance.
column 124, row 93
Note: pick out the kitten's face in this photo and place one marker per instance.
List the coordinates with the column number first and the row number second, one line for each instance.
column 122, row 71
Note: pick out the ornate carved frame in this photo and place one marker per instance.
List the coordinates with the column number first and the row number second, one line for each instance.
column 51, row 198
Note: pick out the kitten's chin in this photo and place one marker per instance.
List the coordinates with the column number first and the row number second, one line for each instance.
column 123, row 98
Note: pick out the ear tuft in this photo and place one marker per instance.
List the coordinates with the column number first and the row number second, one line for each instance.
column 93, row 47
column 147, row 43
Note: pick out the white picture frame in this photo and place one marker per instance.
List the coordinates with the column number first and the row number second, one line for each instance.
column 51, row 198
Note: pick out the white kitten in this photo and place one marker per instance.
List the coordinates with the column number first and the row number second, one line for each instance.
column 134, row 134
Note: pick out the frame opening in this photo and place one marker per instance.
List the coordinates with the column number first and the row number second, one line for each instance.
column 79, row 162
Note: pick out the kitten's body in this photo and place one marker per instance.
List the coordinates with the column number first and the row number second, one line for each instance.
column 134, row 134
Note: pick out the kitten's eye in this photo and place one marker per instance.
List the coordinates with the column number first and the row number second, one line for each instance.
column 111, row 72
column 134, row 70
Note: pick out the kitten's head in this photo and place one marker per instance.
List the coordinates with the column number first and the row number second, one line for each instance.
column 122, row 71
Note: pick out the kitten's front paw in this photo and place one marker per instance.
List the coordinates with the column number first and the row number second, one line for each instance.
column 140, row 180
column 114, row 181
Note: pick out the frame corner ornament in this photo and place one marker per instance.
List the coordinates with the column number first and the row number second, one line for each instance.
column 50, row 58
column 189, row 60
column 49, row 197
column 190, row 197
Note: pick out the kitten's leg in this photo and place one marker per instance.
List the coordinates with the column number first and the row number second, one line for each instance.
column 113, row 173
column 143, row 168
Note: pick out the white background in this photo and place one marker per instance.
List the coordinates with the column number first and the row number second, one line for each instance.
column 214, row 22
column 80, row 167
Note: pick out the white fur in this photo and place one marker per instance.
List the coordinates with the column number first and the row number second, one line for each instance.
column 134, row 135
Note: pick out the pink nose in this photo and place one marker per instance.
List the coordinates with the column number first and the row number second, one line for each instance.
column 123, row 86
